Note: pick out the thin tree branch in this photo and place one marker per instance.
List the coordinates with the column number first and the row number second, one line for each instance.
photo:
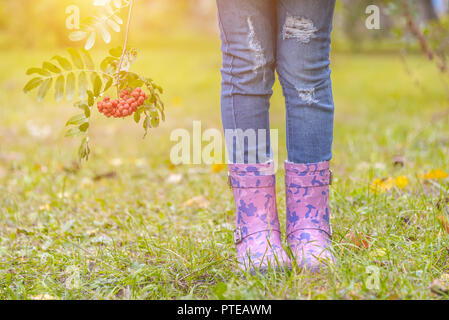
column 124, row 46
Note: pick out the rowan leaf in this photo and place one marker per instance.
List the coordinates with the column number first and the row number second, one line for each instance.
column 77, row 35
column 90, row 40
column 113, row 25
column 90, row 98
column 83, row 127
column 40, row 71
column 76, row 58
column 97, row 84
column 65, row 64
column 88, row 60
column 116, row 52
column 33, row 83
column 70, row 86
column 51, row 67
column 76, row 120
column 105, row 34
column 117, row 19
column 82, row 85
column 43, row 90
column 108, row 84
column 73, row 132
column 59, row 88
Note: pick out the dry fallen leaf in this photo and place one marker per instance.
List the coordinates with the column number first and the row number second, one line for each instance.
column 174, row 178
column 358, row 239
column 200, row 201
column 435, row 174
column 116, row 162
column 382, row 185
column 218, row 167
column 444, row 223
column 401, row 182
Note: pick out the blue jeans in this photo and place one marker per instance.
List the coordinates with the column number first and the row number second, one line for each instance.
column 292, row 37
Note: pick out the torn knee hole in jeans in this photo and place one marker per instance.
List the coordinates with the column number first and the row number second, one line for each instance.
column 255, row 46
column 299, row 28
column 307, row 95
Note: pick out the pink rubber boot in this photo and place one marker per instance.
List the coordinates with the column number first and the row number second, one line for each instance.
column 257, row 235
column 308, row 227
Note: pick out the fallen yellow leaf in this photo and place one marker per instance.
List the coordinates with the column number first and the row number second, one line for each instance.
column 435, row 174
column 200, row 201
column 358, row 239
column 218, row 167
column 382, row 185
column 401, row 182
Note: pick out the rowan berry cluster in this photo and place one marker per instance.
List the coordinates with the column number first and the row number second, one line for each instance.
column 123, row 107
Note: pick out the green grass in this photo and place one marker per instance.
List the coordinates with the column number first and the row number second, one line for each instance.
column 116, row 228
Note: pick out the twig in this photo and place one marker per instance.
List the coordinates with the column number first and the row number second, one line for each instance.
column 425, row 47
column 124, row 46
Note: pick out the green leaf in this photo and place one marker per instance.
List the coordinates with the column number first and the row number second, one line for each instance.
column 87, row 112
column 84, row 127
column 109, row 64
column 76, row 58
column 146, row 125
column 105, row 34
column 43, row 90
column 97, row 84
column 77, row 35
column 88, row 60
column 70, row 86
column 82, row 85
column 51, row 67
column 76, row 120
column 59, row 88
column 65, row 64
column 90, row 40
column 33, row 83
column 83, row 105
column 108, row 84
column 113, row 25
column 154, row 119
column 40, row 71
column 116, row 52
column 137, row 117
column 117, row 19
column 72, row 132
column 90, row 98
column 84, row 150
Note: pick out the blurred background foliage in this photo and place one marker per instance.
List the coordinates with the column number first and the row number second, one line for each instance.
column 198, row 17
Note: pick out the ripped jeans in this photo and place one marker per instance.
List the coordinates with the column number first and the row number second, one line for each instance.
column 292, row 37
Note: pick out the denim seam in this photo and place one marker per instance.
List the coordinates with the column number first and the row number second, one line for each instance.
column 231, row 71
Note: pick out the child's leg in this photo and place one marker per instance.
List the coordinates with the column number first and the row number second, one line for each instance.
column 303, row 66
column 248, row 33
column 303, row 47
column 248, row 37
